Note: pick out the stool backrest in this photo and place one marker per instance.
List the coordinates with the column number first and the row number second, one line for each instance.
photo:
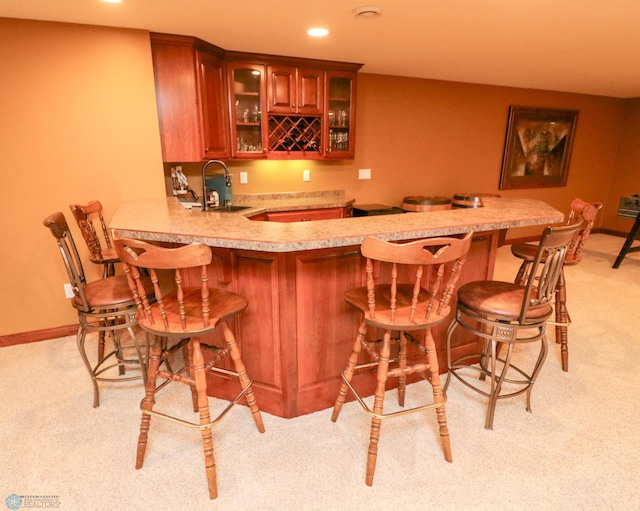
column 85, row 215
column 588, row 211
column 420, row 256
column 547, row 265
column 139, row 257
column 57, row 225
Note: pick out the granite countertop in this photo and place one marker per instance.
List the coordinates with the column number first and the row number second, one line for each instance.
column 167, row 220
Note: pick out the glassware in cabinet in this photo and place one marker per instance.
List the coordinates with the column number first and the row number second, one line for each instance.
column 247, row 112
column 339, row 114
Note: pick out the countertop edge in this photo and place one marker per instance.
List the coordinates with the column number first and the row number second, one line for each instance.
column 167, row 221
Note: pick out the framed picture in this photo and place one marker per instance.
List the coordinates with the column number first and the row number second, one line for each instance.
column 537, row 148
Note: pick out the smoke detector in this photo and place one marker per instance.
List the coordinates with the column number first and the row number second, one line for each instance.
column 367, row 11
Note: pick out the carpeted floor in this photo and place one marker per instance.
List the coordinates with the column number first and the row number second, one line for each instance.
column 579, row 449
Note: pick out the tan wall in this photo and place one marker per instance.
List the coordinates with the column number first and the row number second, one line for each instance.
column 625, row 179
column 79, row 123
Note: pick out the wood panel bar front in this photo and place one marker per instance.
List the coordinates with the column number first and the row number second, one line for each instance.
column 298, row 331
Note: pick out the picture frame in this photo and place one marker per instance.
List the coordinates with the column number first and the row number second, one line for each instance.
column 537, row 147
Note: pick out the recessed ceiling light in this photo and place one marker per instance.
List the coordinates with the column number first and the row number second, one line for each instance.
column 112, row 1
column 318, row 32
column 367, row 11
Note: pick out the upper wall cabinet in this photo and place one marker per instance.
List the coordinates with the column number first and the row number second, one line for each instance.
column 220, row 104
column 192, row 97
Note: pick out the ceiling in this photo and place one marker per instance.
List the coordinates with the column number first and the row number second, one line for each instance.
column 581, row 46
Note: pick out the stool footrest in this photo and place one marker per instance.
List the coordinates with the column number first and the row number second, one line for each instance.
column 398, row 371
column 429, row 406
column 177, row 377
column 193, row 425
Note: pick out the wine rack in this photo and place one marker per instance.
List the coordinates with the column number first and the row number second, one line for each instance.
column 294, row 134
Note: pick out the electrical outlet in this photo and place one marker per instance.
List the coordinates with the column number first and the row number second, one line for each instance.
column 306, row 175
column 364, row 173
column 243, row 178
column 68, row 291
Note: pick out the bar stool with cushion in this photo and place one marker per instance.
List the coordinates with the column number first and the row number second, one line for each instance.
column 98, row 254
column 105, row 305
column 183, row 315
column 505, row 314
column 408, row 289
column 580, row 209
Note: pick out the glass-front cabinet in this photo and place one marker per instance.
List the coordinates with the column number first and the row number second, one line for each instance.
column 339, row 125
column 247, row 92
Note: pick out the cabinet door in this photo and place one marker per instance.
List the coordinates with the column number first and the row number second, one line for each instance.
column 309, row 91
column 281, row 85
column 248, row 124
column 190, row 94
column 177, row 100
column 339, row 115
column 215, row 122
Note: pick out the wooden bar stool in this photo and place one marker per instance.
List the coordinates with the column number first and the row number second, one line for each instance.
column 184, row 315
column 98, row 254
column 408, row 289
column 580, row 210
column 105, row 306
column 508, row 314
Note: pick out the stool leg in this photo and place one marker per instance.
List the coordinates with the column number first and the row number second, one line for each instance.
column 197, row 362
column 452, row 326
column 245, row 381
column 536, row 370
column 496, row 381
column 187, row 351
column 562, row 319
column 348, row 372
column 115, row 337
column 374, row 437
column 101, row 345
column 438, row 395
column 142, row 358
column 149, row 399
column 402, row 362
column 80, row 339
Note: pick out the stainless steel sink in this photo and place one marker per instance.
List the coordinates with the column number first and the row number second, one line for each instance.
column 229, row 209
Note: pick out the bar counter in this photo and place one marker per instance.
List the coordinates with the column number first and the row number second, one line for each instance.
column 167, row 220
column 297, row 331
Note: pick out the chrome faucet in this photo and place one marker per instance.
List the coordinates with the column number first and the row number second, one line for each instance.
column 227, row 177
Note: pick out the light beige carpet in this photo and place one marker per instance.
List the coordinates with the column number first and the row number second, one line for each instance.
column 579, row 449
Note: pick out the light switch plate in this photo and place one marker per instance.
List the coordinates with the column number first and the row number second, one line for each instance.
column 306, row 175
column 364, row 173
column 243, row 178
